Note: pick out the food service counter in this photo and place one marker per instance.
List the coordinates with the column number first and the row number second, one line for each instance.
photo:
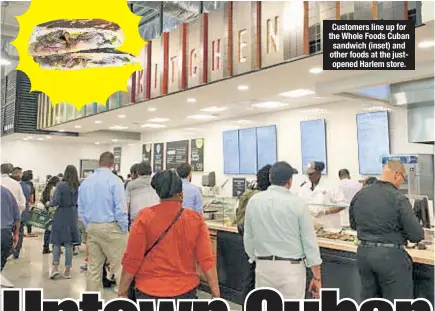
column 339, row 269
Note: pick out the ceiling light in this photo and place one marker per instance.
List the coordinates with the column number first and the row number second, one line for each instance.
column 243, row 87
column 426, row 44
column 201, row 117
column 158, row 120
column 297, row 93
column 77, row 126
column 98, row 122
column 40, row 138
column 269, row 105
column 191, row 100
column 191, row 129
column 29, row 137
column 152, row 109
column 244, row 122
column 131, row 144
column 4, row 62
column 121, row 116
column 48, row 137
column 156, row 126
column 97, row 143
column 114, row 140
column 118, row 127
column 214, row 109
column 61, row 131
column 316, row 70
column 317, row 97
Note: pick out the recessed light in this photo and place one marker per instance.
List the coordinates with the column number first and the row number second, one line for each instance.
column 426, row 44
column 118, row 127
column 40, row 138
column 317, row 97
column 4, row 62
column 48, row 137
column 269, row 105
column 152, row 109
column 77, row 126
column 243, row 87
column 191, row 100
column 244, row 122
column 297, row 93
column 201, row 117
column 114, row 140
column 97, row 143
column 316, row 70
column 191, row 129
column 155, row 126
column 61, row 131
column 29, row 137
column 131, row 144
column 214, row 109
column 98, row 122
column 25, row 139
column 158, row 120
column 121, row 116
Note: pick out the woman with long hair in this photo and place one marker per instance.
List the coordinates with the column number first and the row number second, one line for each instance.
column 64, row 228
column 165, row 243
column 47, row 196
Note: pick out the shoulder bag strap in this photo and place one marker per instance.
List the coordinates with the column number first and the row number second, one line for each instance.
column 165, row 232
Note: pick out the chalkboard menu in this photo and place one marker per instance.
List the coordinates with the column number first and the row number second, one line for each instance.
column 159, row 149
column 117, row 153
column 197, row 154
column 146, row 153
column 239, row 186
column 176, row 153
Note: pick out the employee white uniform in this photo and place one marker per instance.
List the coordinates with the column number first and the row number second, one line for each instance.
column 321, row 195
column 348, row 188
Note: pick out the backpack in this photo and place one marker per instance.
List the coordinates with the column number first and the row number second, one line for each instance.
column 241, row 210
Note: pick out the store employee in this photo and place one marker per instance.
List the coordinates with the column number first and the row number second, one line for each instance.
column 317, row 192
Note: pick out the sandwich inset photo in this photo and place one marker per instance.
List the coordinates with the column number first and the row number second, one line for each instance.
column 77, row 44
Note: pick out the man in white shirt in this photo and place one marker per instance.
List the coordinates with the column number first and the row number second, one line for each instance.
column 319, row 195
column 348, row 187
column 12, row 185
column 279, row 235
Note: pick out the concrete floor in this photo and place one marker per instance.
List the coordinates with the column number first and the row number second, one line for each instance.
column 32, row 269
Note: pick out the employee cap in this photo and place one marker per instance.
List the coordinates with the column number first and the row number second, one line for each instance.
column 315, row 167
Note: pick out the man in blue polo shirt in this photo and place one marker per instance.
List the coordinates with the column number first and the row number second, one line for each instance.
column 191, row 193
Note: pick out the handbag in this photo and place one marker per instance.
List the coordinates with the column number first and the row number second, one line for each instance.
column 132, row 289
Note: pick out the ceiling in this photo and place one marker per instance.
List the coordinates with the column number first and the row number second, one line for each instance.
column 264, row 86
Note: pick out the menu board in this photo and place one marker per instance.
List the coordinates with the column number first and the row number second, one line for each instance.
column 373, row 141
column 158, row 152
column 266, row 146
column 231, row 152
column 313, row 143
column 197, row 154
column 176, row 153
column 117, row 151
column 239, row 186
column 146, row 153
column 248, row 151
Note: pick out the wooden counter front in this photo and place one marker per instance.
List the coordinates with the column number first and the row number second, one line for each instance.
column 418, row 256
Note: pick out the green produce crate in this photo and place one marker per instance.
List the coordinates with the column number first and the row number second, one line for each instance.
column 40, row 218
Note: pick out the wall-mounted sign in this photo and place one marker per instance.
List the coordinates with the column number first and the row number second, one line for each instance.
column 176, row 153
column 146, row 153
column 197, row 154
column 117, row 152
column 158, row 152
column 239, row 186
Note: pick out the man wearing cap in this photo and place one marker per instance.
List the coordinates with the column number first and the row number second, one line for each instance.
column 318, row 194
column 279, row 236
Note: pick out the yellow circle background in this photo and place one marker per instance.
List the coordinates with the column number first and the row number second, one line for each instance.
column 84, row 86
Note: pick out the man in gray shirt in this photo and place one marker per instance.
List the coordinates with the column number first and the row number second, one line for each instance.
column 139, row 193
column 280, row 237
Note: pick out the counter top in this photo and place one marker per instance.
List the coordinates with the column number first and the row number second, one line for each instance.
column 418, row 256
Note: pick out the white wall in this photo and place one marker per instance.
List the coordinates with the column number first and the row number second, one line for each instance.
column 47, row 158
column 342, row 150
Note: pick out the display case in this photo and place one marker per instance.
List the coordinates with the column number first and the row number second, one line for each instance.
column 220, row 210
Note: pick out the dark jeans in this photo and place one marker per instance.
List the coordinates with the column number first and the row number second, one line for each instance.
column 385, row 273
column 6, row 245
column 248, row 282
column 189, row 295
column 17, row 249
column 29, row 229
column 47, row 234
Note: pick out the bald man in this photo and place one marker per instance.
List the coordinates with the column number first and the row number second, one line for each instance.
column 384, row 221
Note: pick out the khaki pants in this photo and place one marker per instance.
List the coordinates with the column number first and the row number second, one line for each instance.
column 287, row 278
column 105, row 241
